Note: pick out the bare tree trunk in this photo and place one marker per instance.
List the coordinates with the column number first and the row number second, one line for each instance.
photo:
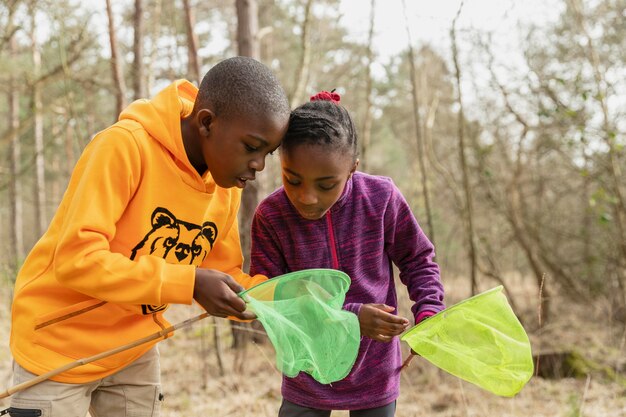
column 116, row 65
column 16, row 237
column 248, row 45
column 138, row 77
column 302, row 70
column 171, row 12
column 70, row 155
column 247, row 28
column 92, row 108
column 270, row 178
column 266, row 22
column 37, row 108
column 469, row 215
column 193, row 68
column 586, row 210
column 418, row 131
column 366, row 143
column 154, row 38
column 55, row 163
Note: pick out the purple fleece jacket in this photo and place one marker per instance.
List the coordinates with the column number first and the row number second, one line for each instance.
column 370, row 227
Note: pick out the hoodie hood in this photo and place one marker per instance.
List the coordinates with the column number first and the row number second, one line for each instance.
column 161, row 115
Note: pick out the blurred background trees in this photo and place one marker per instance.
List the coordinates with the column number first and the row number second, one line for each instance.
column 537, row 153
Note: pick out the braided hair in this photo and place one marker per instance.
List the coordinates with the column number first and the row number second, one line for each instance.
column 322, row 121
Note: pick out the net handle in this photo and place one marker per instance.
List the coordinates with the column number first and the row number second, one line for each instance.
column 161, row 334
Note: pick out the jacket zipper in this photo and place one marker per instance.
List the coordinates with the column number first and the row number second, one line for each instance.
column 158, row 322
column 333, row 248
column 70, row 315
column 19, row 412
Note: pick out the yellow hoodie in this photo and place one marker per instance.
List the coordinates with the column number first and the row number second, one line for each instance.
column 134, row 223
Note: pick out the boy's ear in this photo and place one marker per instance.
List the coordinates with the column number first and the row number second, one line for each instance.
column 204, row 118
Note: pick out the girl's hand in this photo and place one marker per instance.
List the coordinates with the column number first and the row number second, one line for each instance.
column 378, row 323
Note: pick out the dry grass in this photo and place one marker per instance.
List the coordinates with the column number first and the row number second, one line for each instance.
column 192, row 383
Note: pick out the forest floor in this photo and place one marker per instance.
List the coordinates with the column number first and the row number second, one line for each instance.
column 249, row 384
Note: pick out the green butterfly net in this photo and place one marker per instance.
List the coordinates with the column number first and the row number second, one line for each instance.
column 303, row 317
column 479, row 340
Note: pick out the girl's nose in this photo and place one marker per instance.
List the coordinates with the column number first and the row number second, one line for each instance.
column 307, row 197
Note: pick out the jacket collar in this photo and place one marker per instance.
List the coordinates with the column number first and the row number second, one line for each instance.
column 347, row 190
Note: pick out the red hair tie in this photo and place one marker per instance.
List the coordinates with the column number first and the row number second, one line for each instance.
column 327, row 96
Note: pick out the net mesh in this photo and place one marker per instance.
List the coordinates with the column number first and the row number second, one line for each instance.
column 303, row 317
column 479, row 340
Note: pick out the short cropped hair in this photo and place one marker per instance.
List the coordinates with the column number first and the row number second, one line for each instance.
column 324, row 123
column 241, row 86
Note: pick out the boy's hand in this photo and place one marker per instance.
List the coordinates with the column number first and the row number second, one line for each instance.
column 217, row 292
column 378, row 323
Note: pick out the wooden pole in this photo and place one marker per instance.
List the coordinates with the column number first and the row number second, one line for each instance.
column 407, row 361
column 163, row 333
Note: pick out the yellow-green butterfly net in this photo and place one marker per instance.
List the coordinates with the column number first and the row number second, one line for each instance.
column 303, row 317
column 479, row 340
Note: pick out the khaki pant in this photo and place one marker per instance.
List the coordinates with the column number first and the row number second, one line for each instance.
column 134, row 391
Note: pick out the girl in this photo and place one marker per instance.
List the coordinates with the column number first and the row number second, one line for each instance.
column 328, row 215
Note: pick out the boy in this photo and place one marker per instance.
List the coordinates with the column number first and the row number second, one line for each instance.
column 149, row 218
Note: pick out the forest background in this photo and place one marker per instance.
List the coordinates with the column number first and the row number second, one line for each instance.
column 505, row 132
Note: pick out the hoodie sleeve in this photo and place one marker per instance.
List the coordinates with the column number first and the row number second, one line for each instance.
column 412, row 252
column 226, row 255
column 102, row 184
